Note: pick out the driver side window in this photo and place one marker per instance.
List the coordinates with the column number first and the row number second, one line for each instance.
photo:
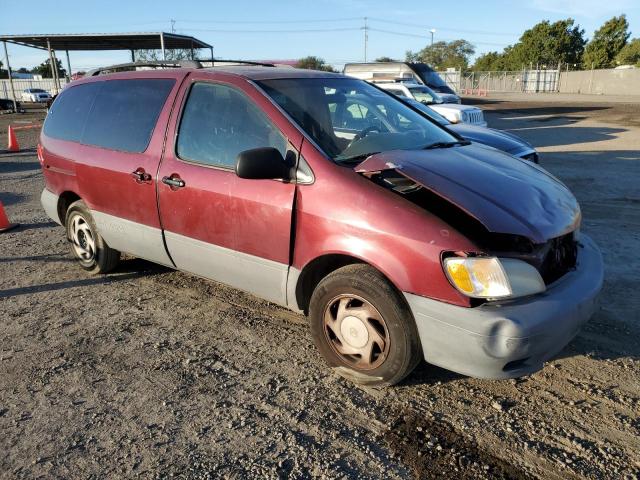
column 219, row 122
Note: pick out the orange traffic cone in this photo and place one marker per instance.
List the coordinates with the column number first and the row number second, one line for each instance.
column 13, row 141
column 4, row 221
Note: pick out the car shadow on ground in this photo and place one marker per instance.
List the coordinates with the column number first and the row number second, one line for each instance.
column 127, row 269
column 558, row 134
column 427, row 374
column 50, row 287
column 49, row 257
column 35, row 225
column 14, row 167
column 140, row 266
column 531, row 108
column 7, row 198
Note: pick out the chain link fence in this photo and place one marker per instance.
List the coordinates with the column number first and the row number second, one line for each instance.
column 20, row 84
column 518, row 81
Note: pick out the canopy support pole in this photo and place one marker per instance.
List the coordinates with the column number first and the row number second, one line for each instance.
column 68, row 66
column 56, row 71
column 53, row 69
column 13, row 92
column 133, row 57
column 164, row 55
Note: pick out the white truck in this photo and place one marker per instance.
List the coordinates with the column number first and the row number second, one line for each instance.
column 453, row 112
column 420, row 73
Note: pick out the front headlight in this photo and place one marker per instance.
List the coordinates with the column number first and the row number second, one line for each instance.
column 493, row 278
column 452, row 116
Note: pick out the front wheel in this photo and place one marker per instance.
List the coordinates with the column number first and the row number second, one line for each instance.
column 87, row 246
column 363, row 327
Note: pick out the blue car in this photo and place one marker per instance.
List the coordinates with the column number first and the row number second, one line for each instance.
column 505, row 141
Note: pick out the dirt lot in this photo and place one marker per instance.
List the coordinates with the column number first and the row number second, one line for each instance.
column 154, row 373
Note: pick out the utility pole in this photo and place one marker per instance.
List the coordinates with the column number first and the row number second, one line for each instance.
column 366, row 38
column 173, row 26
column 432, row 31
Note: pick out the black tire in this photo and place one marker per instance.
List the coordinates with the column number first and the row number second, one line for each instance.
column 363, row 284
column 99, row 259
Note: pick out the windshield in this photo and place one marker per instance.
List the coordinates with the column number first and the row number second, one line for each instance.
column 350, row 119
column 37, row 90
column 425, row 95
column 431, row 78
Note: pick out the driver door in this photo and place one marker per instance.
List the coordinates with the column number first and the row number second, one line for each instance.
column 217, row 225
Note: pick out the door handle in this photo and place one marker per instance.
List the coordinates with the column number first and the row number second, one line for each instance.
column 141, row 176
column 173, row 181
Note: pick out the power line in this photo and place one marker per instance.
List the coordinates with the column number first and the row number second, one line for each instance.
column 415, row 35
column 458, row 30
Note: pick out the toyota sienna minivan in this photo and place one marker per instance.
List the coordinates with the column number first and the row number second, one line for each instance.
column 398, row 239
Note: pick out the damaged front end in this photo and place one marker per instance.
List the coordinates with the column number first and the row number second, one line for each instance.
column 511, row 210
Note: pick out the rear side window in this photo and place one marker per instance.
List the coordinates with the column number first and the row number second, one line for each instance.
column 219, row 122
column 125, row 112
column 115, row 114
column 68, row 114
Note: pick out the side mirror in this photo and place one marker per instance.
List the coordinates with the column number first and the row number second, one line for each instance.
column 264, row 163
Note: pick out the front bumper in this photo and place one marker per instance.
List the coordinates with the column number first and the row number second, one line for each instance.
column 514, row 338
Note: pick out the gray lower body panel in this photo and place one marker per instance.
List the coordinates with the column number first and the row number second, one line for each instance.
column 514, row 338
column 264, row 278
column 134, row 238
column 49, row 202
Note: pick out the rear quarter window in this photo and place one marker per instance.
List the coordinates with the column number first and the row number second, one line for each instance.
column 125, row 112
column 114, row 114
column 68, row 114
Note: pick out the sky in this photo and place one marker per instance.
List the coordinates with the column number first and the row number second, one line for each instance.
column 290, row 29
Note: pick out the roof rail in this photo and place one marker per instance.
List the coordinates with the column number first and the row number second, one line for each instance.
column 162, row 63
column 242, row 62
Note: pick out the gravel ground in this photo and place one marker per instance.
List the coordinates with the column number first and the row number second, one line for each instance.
column 154, row 373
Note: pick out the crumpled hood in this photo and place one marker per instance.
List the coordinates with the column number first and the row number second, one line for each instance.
column 506, row 195
column 507, row 142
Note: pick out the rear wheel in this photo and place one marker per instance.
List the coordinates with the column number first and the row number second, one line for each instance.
column 363, row 327
column 87, row 246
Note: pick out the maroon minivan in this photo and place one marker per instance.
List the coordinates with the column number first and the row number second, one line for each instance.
column 322, row 193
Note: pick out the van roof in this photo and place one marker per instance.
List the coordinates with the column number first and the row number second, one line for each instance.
column 250, row 72
column 271, row 73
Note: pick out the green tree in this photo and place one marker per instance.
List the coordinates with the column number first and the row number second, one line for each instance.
column 444, row 54
column 491, row 61
column 173, row 55
column 44, row 69
column 630, row 53
column 545, row 43
column 548, row 44
column 606, row 44
column 384, row 59
column 314, row 63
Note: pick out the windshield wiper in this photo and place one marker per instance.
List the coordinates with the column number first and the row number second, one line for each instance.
column 446, row 144
column 355, row 158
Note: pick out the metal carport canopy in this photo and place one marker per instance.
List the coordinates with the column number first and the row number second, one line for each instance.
column 99, row 41
column 107, row 41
